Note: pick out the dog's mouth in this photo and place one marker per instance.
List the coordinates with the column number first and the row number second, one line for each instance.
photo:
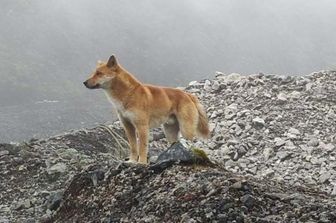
column 94, row 86
column 91, row 86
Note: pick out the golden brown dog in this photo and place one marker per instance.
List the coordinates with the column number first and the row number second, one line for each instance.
column 141, row 107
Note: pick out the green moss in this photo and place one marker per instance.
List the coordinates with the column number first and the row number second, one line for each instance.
column 199, row 153
column 201, row 157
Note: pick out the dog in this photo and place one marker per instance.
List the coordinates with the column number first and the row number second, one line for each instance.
column 141, row 107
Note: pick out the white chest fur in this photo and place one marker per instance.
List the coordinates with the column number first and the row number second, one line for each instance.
column 118, row 105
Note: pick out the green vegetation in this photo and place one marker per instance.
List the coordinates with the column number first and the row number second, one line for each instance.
column 200, row 156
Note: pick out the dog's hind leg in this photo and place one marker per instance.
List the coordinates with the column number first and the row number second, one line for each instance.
column 187, row 117
column 171, row 130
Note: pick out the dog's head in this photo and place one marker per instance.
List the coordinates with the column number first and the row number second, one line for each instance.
column 103, row 75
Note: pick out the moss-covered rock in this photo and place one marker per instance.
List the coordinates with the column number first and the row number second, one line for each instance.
column 178, row 153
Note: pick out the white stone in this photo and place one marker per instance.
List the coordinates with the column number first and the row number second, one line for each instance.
column 57, row 168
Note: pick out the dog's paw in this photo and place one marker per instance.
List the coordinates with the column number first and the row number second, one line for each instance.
column 143, row 161
column 131, row 161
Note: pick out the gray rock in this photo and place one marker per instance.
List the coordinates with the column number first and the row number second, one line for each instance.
column 193, row 83
column 327, row 147
column 333, row 192
column 313, row 142
column 230, row 111
column 279, row 142
column 57, row 168
column 4, row 219
column 238, row 185
column 3, row 153
column 282, row 97
column 283, row 155
column 69, row 153
column 215, row 85
column 212, row 126
column 212, row 145
column 268, row 153
column 234, row 77
column 27, row 204
column 248, row 200
column 268, row 172
column 315, row 161
column 54, row 200
column 258, row 122
column 177, row 153
column 294, row 131
column 230, row 115
column 295, row 95
column 22, row 204
column 242, row 150
column 230, row 163
column 30, row 220
column 152, row 159
column 207, row 85
column 324, row 177
column 309, row 86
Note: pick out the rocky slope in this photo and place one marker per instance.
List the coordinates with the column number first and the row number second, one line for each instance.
column 273, row 142
column 34, row 174
column 187, row 194
column 280, row 127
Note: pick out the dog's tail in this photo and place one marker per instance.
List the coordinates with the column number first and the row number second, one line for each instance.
column 202, row 125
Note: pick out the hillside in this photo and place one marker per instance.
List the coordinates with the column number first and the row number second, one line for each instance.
column 273, row 149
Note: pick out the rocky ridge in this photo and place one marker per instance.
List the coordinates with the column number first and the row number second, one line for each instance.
column 187, row 194
column 273, row 140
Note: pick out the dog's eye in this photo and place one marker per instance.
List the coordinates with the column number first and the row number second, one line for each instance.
column 98, row 73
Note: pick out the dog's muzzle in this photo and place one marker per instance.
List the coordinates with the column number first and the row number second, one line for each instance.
column 89, row 86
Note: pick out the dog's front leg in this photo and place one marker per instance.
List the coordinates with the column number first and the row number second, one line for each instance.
column 143, row 132
column 131, row 136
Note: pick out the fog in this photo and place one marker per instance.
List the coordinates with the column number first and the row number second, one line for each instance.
column 48, row 48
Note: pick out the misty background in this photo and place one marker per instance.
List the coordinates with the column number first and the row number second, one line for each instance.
column 48, row 48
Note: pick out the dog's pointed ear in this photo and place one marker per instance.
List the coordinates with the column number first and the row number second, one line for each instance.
column 112, row 61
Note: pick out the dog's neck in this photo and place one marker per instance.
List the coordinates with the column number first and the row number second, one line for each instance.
column 122, row 86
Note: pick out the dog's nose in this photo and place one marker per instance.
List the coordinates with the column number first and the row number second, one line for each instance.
column 85, row 83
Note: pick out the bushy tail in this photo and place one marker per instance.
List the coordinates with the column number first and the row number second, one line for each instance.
column 203, row 125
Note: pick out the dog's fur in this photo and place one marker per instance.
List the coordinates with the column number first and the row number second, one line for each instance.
column 141, row 107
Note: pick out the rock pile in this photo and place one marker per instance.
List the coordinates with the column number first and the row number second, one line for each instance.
column 273, row 141
column 277, row 127
column 187, row 194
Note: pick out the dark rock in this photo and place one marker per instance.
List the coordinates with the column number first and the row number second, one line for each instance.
column 179, row 153
column 10, row 148
column 248, row 200
column 54, row 200
column 160, row 166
